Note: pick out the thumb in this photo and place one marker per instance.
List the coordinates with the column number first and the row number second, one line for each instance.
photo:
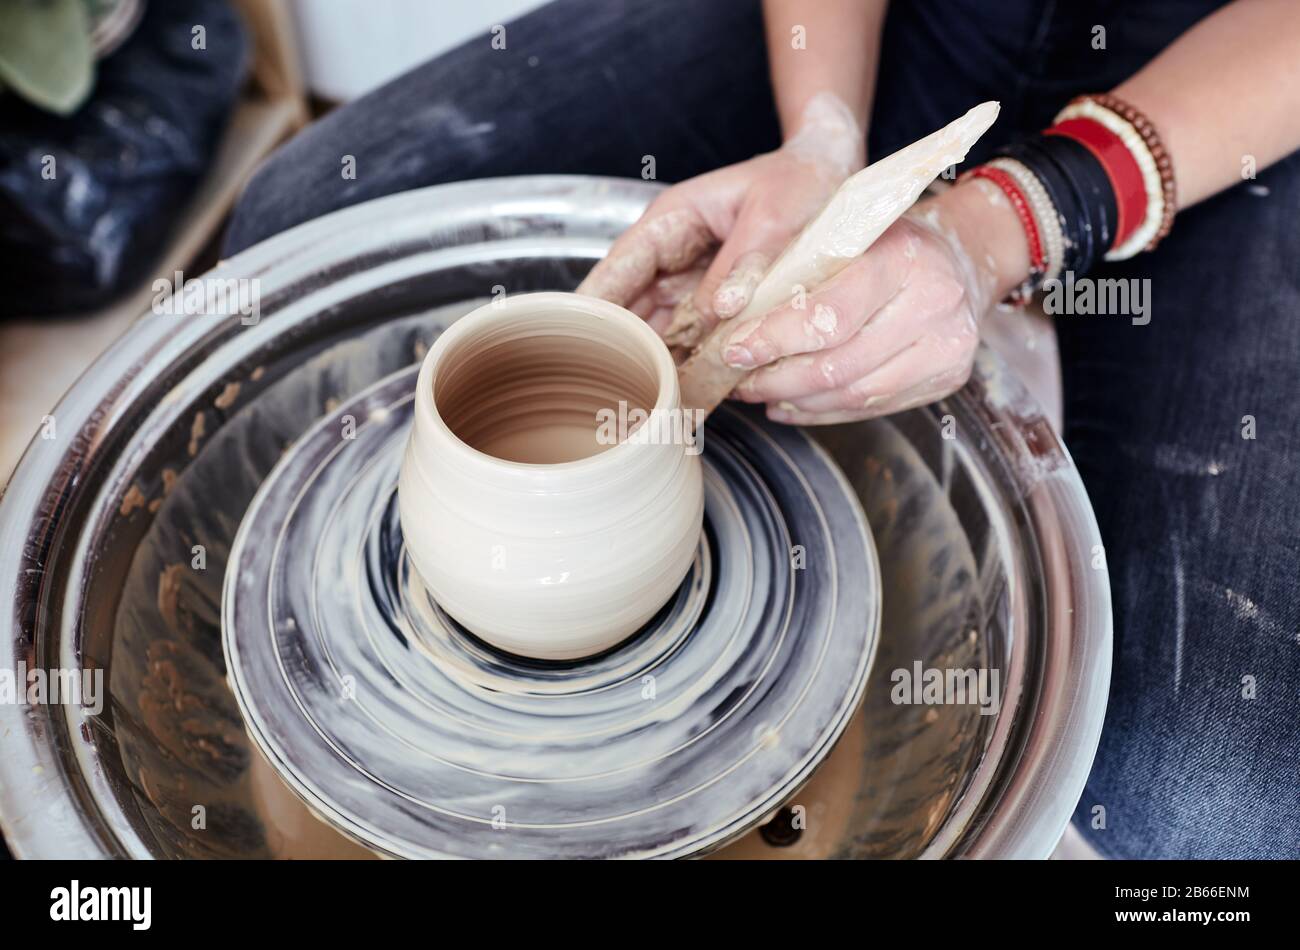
column 730, row 280
column 758, row 237
column 737, row 288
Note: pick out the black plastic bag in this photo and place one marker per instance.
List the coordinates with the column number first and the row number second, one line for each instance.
column 124, row 165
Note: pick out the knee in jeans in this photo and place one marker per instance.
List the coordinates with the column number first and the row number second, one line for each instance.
column 268, row 204
column 1162, row 793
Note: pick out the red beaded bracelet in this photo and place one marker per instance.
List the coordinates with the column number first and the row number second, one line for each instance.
column 1037, row 260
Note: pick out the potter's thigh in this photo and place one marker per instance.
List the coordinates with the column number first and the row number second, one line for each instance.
column 1202, row 531
column 582, row 87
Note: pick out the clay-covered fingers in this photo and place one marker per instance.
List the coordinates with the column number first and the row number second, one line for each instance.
column 931, row 368
column 669, row 238
column 666, row 293
column 697, row 314
column 828, row 315
column 746, row 272
column 760, row 233
column 887, row 407
column 733, row 222
column 916, row 309
column 781, row 194
column 889, row 331
column 770, row 216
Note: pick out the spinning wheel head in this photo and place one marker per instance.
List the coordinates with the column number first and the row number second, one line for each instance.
column 418, row 739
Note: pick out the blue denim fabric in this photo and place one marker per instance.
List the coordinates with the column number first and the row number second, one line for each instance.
column 1201, row 526
column 582, row 87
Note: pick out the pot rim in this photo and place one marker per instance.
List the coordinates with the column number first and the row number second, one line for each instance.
column 521, row 309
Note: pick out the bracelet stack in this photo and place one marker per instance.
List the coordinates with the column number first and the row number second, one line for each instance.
column 1098, row 183
column 1002, row 173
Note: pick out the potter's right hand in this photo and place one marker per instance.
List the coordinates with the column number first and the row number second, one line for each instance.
column 665, row 267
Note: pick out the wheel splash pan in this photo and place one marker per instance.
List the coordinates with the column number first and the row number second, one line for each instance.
column 985, row 535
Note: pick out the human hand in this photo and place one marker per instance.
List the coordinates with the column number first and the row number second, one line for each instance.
column 669, row 268
column 896, row 328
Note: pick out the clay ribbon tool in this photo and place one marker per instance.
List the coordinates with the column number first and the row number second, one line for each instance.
column 857, row 214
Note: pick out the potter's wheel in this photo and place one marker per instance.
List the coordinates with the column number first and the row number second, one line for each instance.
column 984, row 533
column 419, row 740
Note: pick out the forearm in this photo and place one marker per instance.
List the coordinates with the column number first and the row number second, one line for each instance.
column 836, row 51
column 1227, row 88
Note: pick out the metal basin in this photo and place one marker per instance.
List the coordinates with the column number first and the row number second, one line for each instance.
column 114, row 538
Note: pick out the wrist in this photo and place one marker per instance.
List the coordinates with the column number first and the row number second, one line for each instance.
column 829, row 135
column 983, row 221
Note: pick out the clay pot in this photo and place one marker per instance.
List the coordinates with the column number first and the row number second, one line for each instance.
column 531, row 518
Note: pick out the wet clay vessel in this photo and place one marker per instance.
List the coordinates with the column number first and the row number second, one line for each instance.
column 535, row 509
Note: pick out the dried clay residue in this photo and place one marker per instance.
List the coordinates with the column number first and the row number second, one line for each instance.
column 183, row 721
column 133, row 499
column 197, row 430
column 168, row 483
column 169, row 590
column 226, row 398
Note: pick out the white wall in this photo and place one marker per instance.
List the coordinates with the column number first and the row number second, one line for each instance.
column 349, row 47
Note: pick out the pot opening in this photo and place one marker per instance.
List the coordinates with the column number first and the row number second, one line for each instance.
column 537, row 391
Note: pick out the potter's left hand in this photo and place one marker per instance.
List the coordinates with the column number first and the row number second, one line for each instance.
column 701, row 247
column 895, row 329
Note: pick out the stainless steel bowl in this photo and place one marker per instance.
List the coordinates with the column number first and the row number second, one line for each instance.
column 985, row 535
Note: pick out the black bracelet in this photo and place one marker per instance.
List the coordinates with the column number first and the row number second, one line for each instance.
column 1063, row 198
column 1080, row 190
column 1089, row 178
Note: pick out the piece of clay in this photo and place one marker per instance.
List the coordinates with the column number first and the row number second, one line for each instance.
column 536, row 510
column 686, row 326
column 858, row 213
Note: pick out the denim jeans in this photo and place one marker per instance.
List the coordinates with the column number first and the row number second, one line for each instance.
column 1200, row 755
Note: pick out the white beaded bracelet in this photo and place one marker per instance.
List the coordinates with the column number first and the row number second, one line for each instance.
column 1046, row 218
